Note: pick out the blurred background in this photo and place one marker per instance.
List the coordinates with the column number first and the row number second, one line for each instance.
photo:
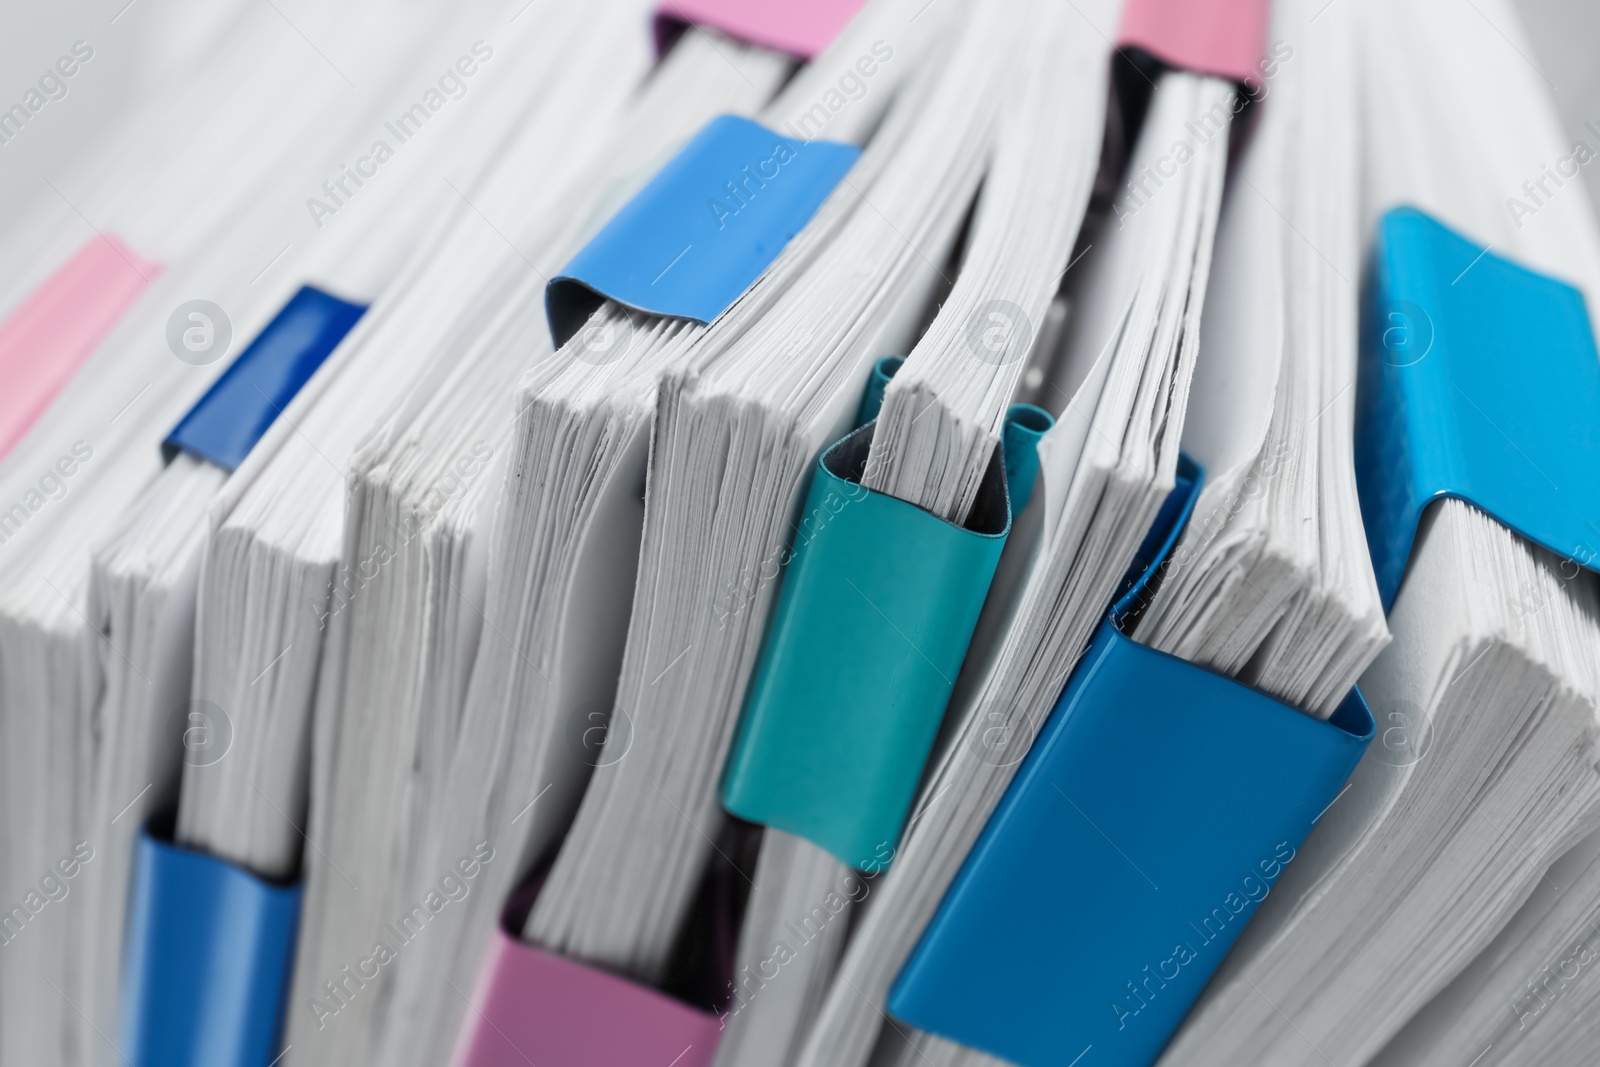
column 134, row 42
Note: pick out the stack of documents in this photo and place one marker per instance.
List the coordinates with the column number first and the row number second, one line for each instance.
column 1482, row 772
column 441, row 448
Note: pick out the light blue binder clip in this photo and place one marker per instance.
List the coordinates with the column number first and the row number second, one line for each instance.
column 705, row 227
column 1152, row 815
column 1479, row 380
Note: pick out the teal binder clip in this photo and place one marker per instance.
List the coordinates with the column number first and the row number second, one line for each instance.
column 877, row 385
column 1151, row 817
column 1019, row 441
column 1025, row 425
column 703, row 229
column 870, row 630
column 1479, row 380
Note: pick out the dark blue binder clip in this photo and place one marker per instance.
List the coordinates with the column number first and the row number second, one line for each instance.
column 226, row 423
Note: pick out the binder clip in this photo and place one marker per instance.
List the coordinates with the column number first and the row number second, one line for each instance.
column 1025, row 425
column 226, row 423
column 1151, row 817
column 1479, row 380
column 870, row 629
column 877, row 385
column 49, row 335
column 211, row 943
column 1225, row 38
column 703, row 229
column 210, row 952
column 802, row 30
column 533, row 1006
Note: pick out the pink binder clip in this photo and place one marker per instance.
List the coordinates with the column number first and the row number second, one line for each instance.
column 1221, row 37
column 47, row 337
column 801, row 29
column 533, row 1006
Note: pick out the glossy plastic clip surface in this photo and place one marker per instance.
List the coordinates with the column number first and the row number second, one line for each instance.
column 801, row 29
column 533, row 1006
column 704, row 228
column 1221, row 37
column 209, row 954
column 1152, row 815
column 878, row 605
column 1479, row 380
column 226, row 423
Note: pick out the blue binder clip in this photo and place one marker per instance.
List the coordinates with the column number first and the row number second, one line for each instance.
column 209, row 958
column 226, row 423
column 704, row 228
column 210, row 943
column 1479, row 379
column 1152, row 815
column 871, row 626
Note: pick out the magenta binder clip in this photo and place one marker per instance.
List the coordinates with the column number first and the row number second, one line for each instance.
column 801, row 29
column 1221, row 37
column 534, row 1006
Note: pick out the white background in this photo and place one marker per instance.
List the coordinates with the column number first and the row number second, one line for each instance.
column 134, row 41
